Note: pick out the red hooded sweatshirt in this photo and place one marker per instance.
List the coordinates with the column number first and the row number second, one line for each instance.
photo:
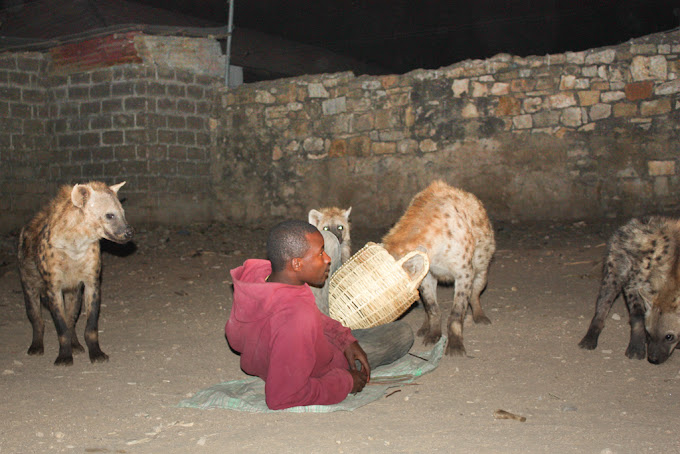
column 284, row 339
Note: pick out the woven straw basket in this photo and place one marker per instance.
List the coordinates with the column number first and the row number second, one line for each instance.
column 372, row 289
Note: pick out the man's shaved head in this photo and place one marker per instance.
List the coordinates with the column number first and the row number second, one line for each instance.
column 288, row 240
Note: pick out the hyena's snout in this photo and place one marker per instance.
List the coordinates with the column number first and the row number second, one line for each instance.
column 663, row 333
column 128, row 233
column 119, row 232
column 656, row 355
column 659, row 352
column 337, row 231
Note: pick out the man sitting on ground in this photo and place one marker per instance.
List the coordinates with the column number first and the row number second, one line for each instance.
column 304, row 356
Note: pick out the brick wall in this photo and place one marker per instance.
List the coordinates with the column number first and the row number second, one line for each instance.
column 110, row 50
column 145, row 125
column 580, row 135
column 70, row 117
column 24, row 139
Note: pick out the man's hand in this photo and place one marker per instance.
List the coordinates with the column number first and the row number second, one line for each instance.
column 355, row 353
column 359, row 378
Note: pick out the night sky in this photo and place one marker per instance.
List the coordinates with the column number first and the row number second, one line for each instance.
column 401, row 35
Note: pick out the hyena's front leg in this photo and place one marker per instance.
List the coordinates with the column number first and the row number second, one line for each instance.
column 55, row 300
column 91, row 301
column 72, row 302
column 432, row 326
column 637, row 347
column 609, row 290
column 461, row 299
column 34, row 312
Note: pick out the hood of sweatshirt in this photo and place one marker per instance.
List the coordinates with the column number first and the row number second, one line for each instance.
column 253, row 295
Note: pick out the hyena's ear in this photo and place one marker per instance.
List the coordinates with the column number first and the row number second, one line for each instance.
column 116, row 187
column 314, row 217
column 346, row 213
column 80, row 194
column 647, row 298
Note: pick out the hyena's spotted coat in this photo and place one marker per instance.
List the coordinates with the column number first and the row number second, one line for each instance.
column 642, row 262
column 452, row 225
column 336, row 221
column 59, row 264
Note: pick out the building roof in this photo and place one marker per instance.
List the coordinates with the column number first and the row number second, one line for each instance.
column 42, row 24
column 46, row 19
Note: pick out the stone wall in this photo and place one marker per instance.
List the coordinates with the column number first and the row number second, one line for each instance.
column 581, row 135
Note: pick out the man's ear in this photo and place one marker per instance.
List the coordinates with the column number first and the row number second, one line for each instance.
column 296, row 264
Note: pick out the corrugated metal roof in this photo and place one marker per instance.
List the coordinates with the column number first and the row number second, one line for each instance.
column 45, row 19
column 43, row 24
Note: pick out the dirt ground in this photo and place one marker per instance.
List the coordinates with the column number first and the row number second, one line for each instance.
column 164, row 306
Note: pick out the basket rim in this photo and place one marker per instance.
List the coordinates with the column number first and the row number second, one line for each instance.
column 376, row 290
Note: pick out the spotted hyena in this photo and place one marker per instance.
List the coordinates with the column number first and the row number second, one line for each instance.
column 336, row 221
column 59, row 263
column 452, row 225
column 642, row 262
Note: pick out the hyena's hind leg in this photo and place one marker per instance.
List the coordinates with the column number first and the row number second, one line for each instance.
column 478, row 285
column 461, row 300
column 72, row 302
column 481, row 268
column 33, row 304
column 432, row 326
column 637, row 347
column 610, row 287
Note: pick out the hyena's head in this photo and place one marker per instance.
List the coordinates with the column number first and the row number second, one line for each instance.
column 102, row 211
column 333, row 219
column 663, row 329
